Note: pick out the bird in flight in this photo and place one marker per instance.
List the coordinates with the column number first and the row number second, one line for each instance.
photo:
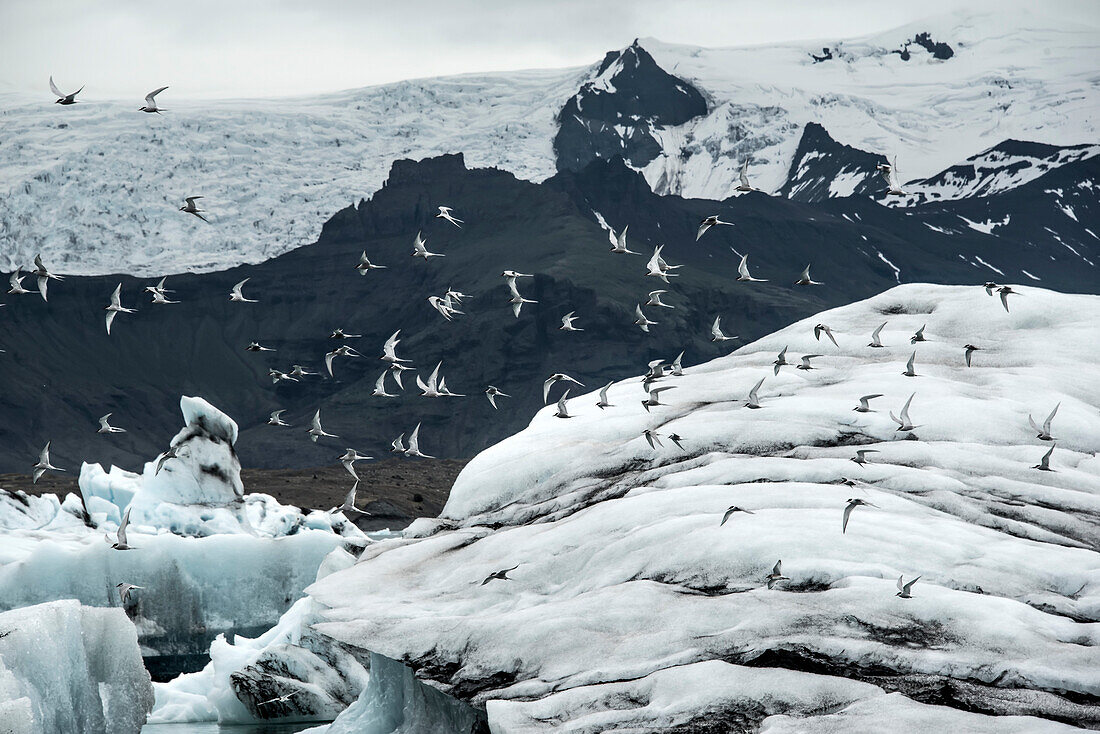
column 754, row 399
column 731, row 510
column 823, row 329
column 707, row 223
column 567, row 322
column 716, row 334
column 445, row 212
column 776, row 575
column 640, row 319
column 618, row 242
column 805, row 278
column 875, row 341
column 743, row 272
column 562, row 412
column 501, row 575
column 861, row 455
column 124, row 590
column 970, row 349
column 365, row 265
column 151, row 102
column 44, row 464
column 493, row 393
column 904, row 424
column 553, row 380
column 919, row 336
column 191, row 208
column 44, row 276
column 420, row 248
column 1043, row 434
column 1044, row 463
column 115, row 307
column 121, row 543
column 105, row 427
column 64, row 99
column 806, row 362
column 236, row 296
column 414, row 444
column 853, row 503
column 863, row 406
column 315, row 430
column 905, row 591
column 276, row 419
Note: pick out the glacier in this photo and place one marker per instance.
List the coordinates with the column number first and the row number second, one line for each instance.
column 633, row 607
column 65, row 667
column 211, row 558
column 77, row 186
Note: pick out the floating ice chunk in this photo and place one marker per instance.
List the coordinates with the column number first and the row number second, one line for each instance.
column 70, row 668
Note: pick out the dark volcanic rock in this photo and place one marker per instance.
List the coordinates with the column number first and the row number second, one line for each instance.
column 614, row 113
column 821, row 164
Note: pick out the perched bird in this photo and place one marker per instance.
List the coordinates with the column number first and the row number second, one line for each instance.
column 365, row 265
column 348, row 460
column 44, row 276
column 853, row 503
column 905, row 590
column 743, row 179
column 105, row 427
column 256, row 347
column 121, row 543
column 640, row 319
column 823, row 329
column 115, row 307
column 315, row 430
column 562, row 412
column 602, row 403
column 341, row 351
column 863, row 406
column 861, row 455
column 653, row 438
column 654, row 398
column 805, row 278
column 776, row 575
column 388, row 353
column 380, row 387
column 732, row 509
column 501, row 575
column 414, row 444
column 44, row 464
column 275, row 419
column 191, row 208
column 875, row 341
column 420, row 248
column 1005, row 292
column 16, row 281
column 397, row 446
column 970, row 349
column 904, row 424
column 553, row 380
column 1044, row 463
column 618, row 242
column 341, row 334
column 124, row 590
column 919, row 336
column 277, row 377
column 151, row 102
column 516, row 300
column 676, row 438
column 445, row 213
column 716, row 334
column 163, row 459
column 567, row 322
column 655, row 300
column 707, row 223
column 781, row 360
column 806, row 362
column 493, row 393
column 743, row 272
column 64, row 99
column 300, row 371
column 754, row 399
column 909, row 366
column 1043, row 433
column 237, row 296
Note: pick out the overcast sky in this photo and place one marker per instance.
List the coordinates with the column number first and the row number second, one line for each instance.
column 249, row 48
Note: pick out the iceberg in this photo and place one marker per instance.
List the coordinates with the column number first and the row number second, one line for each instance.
column 633, row 606
column 65, row 667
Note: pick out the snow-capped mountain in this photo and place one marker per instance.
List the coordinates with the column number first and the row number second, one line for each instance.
column 637, row 594
column 95, row 187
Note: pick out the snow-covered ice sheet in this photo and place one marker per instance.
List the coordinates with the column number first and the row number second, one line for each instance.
column 624, row 569
column 71, row 669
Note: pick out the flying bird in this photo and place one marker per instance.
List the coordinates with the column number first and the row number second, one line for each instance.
column 970, row 349
column 656, row 267
column 163, row 459
column 64, row 99
column 1044, row 463
column 115, row 307
column 567, row 322
column 905, row 591
column 716, row 334
column 1005, row 292
column 191, row 208
column 121, row 543
column 990, row 286
column 300, row 371
column 124, row 590
column 388, row 349
column 919, row 336
column 151, row 102
column 501, row 575
column 640, row 319
column 380, row 387
column 861, row 455
column 445, row 212
column 16, row 281
column 781, row 360
column 731, row 510
column 277, row 377
column 256, row 347
column 348, row 460
column 904, row 424
column 653, row 438
column 414, row 444
column 676, row 439
column 516, row 300
column 707, row 223
column 341, row 334
column 806, row 362
column 315, row 430
column 553, row 380
column 655, row 300
column 602, row 403
column 44, row 464
column 823, row 329
column 863, row 406
column 743, row 179
column 276, row 419
column 365, row 265
column 420, row 248
column 397, row 446
column 340, row 351
column 160, row 299
column 892, row 179
column 654, row 398
column 562, row 412
column 776, row 575
column 431, row 388
column 805, row 278
column 1043, row 434
column 618, row 243
column 105, row 427
column 853, row 503
column 237, row 296
column 909, row 366
column 44, row 276
column 743, row 272
column 493, row 393
column 281, row 699
column 676, row 367
column 754, row 399
column 875, row 341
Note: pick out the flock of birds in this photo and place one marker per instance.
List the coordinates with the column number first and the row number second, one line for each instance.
column 449, row 305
